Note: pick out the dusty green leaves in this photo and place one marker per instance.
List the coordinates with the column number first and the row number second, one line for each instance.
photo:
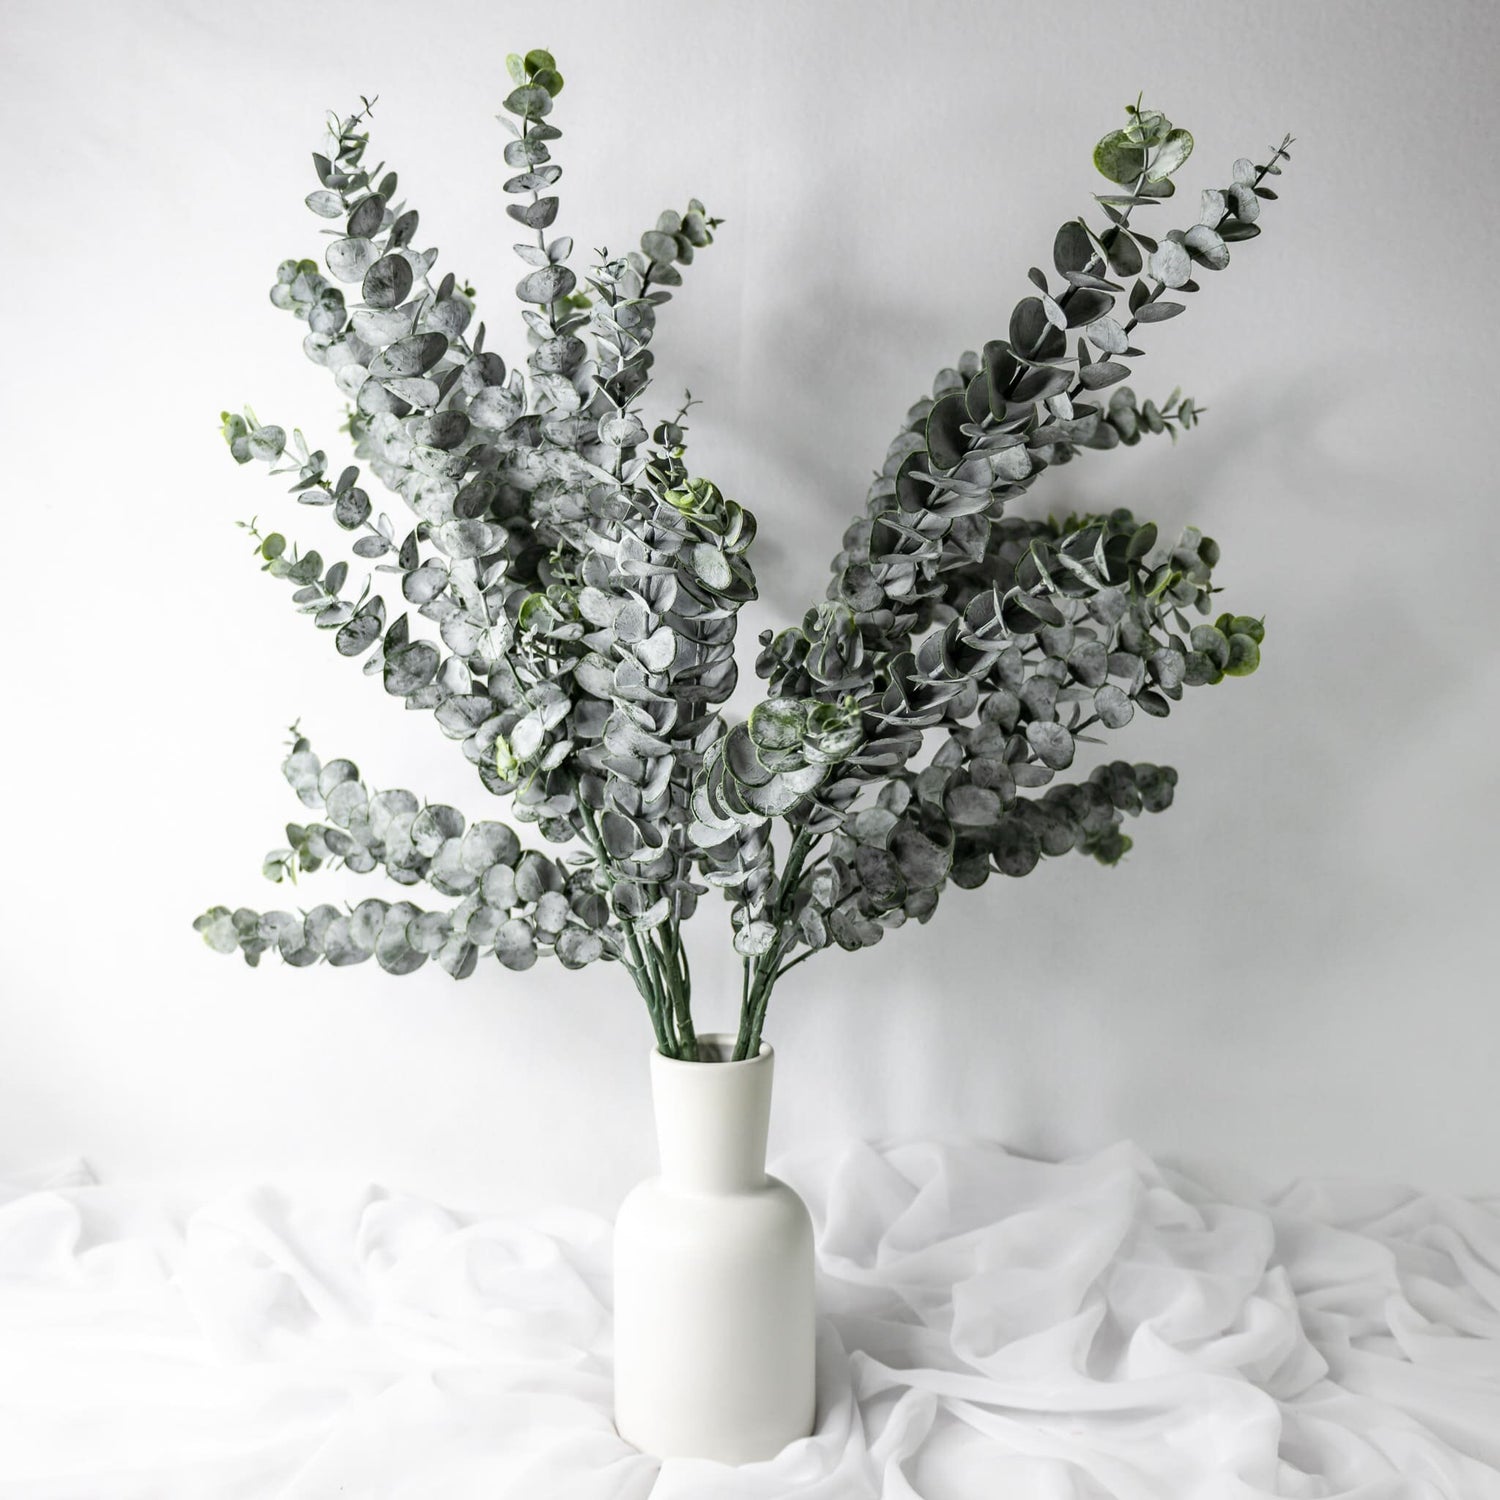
column 572, row 593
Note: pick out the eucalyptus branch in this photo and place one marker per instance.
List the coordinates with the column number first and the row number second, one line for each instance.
column 514, row 902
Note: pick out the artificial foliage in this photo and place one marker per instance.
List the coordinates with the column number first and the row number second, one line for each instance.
column 569, row 593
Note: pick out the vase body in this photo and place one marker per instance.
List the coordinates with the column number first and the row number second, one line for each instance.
column 714, row 1306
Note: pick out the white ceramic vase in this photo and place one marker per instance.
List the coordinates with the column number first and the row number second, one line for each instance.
column 714, row 1306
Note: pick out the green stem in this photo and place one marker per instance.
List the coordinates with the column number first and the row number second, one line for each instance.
column 646, row 981
column 765, row 982
column 664, row 993
column 748, row 1042
column 742, row 1041
column 683, row 992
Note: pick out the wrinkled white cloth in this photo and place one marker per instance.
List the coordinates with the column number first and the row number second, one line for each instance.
column 990, row 1327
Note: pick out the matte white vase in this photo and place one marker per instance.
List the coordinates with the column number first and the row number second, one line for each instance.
column 714, row 1306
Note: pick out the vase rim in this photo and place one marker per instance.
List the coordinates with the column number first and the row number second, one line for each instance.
column 722, row 1041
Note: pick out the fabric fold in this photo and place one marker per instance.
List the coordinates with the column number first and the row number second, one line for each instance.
column 989, row 1325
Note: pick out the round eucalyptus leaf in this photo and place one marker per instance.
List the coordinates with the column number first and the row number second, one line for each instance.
column 484, row 924
column 1170, row 264
column 352, row 509
column 499, row 886
column 515, row 946
column 1200, row 670
column 317, row 923
column 1175, row 150
column 266, row 444
column 972, row 806
column 425, row 583
column 392, row 810
column 487, row 844
column 529, row 101
column 325, row 203
column 495, row 407
column 551, row 914
column 621, row 837
column 427, row 931
column 418, row 392
column 1041, row 384
column 1087, row 305
column 355, row 638
column 367, row 217
column 1123, row 251
column 413, row 355
column 1072, row 249
column 577, row 947
column 218, row 930
column 535, row 876
column 777, row 723
column 946, row 443
column 1212, row 642
column 1207, row 247
column 387, row 282
column 622, row 430
column 458, row 957
column 1167, row 667
column 1157, row 312
column 1104, row 373
column 1016, row 849
column 367, row 921
column 658, row 651
column 1120, row 158
column 394, row 954
column 1244, row 656
column 1113, row 706
column 1245, row 204
column 549, row 284
column 340, row 947
column 881, row 876
column 659, row 247
column 1107, row 335
column 1028, row 326
column 434, row 826
column 409, row 668
column 1052, row 742
column 1055, row 829
column 350, row 259
column 346, row 802
column 711, row 566
column 334, row 774
column 448, row 873
column 1089, row 663
column 923, row 861
column 776, row 798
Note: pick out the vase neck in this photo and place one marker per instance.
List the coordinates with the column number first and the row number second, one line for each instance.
column 712, row 1118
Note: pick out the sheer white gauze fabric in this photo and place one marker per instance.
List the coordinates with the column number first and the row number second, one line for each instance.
column 991, row 1326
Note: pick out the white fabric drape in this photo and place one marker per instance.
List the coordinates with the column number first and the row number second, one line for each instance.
column 990, row 1327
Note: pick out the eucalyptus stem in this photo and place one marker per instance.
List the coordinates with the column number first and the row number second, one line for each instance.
column 753, row 1005
column 646, row 981
column 742, row 1040
column 684, row 993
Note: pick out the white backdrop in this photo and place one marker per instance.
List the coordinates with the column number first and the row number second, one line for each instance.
column 1290, row 973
